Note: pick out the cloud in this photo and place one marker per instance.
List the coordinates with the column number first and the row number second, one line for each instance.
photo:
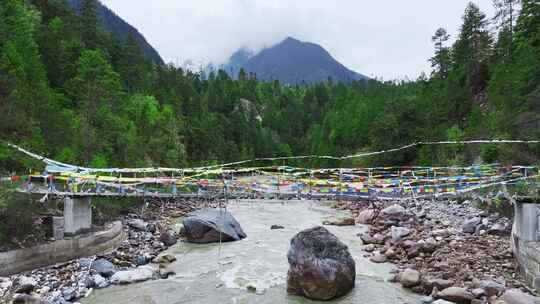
column 385, row 38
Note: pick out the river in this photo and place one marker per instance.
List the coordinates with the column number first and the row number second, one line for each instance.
column 214, row 273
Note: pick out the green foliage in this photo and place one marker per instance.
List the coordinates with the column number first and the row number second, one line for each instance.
column 105, row 209
column 76, row 94
column 16, row 216
column 529, row 189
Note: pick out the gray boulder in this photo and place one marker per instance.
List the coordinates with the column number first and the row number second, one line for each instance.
column 469, row 226
column 168, row 238
column 456, row 295
column 394, row 210
column 499, row 229
column 398, row 233
column 137, row 224
column 394, row 213
column 366, row 216
column 103, row 267
column 320, row 266
column 138, row 274
column 99, row 281
column 85, row 263
column 442, row 302
column 25, row 284
column 491, row 288
column 212, row 225
column 409, row 278
column 26, row 299
column 516, row 296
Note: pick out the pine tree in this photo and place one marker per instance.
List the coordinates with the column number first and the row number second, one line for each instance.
column 441, row 61
column 95, row 89
column 24, row 92
column 90, row 24
column 471, row 53
column 133, row 66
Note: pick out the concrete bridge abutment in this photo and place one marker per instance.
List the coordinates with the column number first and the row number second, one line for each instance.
column 77, row 215
column 526, row 242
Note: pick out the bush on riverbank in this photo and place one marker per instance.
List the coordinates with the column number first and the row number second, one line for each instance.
column 106, row 209
column 20, row 221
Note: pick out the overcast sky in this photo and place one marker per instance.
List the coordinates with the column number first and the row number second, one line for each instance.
column 379, row 38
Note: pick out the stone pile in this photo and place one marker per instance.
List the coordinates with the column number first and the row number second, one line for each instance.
column 449, row 251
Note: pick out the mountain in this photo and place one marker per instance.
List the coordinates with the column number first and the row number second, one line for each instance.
column 292, row 62
column 120, row 29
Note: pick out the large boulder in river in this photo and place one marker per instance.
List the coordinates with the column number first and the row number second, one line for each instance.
column 320, row 265
column 212, row 225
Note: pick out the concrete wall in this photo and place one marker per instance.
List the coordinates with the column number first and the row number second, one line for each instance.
column 528, row 258
column 525, row 243
column 60, row 251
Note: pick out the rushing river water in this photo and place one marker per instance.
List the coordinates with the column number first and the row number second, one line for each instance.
column 212, row 273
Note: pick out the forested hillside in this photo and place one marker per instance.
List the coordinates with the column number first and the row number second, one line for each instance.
column 119, row 28
column 72, row 91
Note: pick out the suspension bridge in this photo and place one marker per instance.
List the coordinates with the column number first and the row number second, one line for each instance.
column 77, row 185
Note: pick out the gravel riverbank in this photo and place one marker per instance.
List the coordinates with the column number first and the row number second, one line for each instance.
column 445, row 250
column 149, row 232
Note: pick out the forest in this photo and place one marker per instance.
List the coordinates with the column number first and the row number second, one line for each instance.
column 71, row 91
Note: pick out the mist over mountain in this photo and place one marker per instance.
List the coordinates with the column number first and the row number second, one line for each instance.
column 291, row 62
column 121, row 29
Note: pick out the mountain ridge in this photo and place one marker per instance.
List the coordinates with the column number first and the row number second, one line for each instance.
column 120, row 28
column 292, row 62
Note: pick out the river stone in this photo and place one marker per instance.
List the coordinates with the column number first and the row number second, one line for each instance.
column 26, row 299
column 99, row 281
column 166, row 259
column 25, row 284
column 379, row 258
column 492, row 288
column 5, row 285
column 141, row 260
column 348, row 221
column 212, row 225
column 139, row 274
column 499, row 229
column 469, row 225
column 442, row 233
column 366, row 216
column 68, row 294
column 456, row 295
column 398, row 233
column 103, row 267
column 85, row 263
column 168, row 238
column 320, row 265
column 409, row 278
column 478, row 292
column 393, row 213
column 441, row 284
column 137, row 224
column 516, row 296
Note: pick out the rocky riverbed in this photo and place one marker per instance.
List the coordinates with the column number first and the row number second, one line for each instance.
column 149, row 232
column 449, row 251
